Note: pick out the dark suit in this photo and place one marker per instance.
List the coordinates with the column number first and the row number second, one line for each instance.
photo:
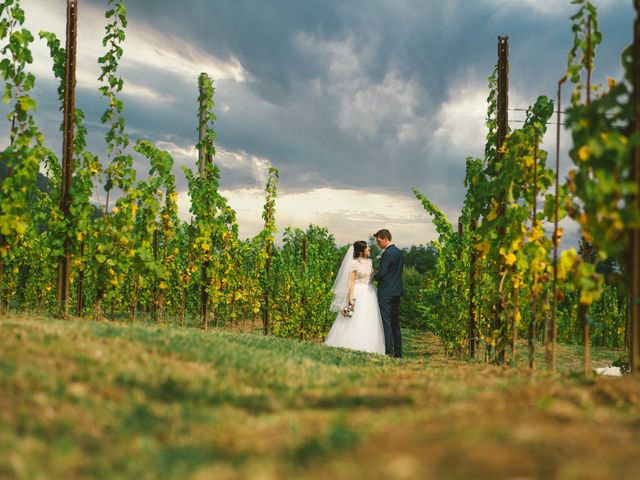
column 390, row 289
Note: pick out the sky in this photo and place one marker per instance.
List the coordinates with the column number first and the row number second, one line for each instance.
column 356, row 102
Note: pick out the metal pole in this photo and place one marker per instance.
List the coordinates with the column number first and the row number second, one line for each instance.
column 64, row 265
column 553, row 328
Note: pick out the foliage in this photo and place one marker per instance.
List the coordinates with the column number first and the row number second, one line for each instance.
column 586, row 38
column 21, row 158
column 215, row 230
column 119, row 172
column 600, row 183
column 154, row 222
column 111, row 245
column 265, row 241
column 86, row 167
column 422, row 258
column 302, row 276
column 414, row 283
column 443, row 306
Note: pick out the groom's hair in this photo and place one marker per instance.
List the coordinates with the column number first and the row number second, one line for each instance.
column 384, row 233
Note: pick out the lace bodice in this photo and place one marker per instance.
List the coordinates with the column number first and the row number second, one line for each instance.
column 363, row 268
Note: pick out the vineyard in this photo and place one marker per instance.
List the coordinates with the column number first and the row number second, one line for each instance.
column 508, row 268
column 131, row 255
column 502, row 275
column 137, row 344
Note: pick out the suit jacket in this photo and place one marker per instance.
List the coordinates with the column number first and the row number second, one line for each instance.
column 389, row 276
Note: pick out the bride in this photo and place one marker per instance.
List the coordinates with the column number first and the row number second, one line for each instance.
column 363, row 330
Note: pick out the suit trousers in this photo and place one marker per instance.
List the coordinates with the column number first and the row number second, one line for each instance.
column 390, row 313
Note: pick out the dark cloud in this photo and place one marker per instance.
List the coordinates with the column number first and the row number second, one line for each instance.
column 346, row 94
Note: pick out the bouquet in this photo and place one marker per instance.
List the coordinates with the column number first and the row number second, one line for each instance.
column 348, row 310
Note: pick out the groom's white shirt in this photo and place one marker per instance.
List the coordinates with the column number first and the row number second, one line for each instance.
column 385, row 249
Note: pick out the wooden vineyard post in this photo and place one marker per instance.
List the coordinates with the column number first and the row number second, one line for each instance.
column 634, row 270
column 502, row 129
column 266, row 245
column 64, row 265
column 203, row 157
column 267, row 269
column 265, row 312
column 204, row 297
column 553, row 326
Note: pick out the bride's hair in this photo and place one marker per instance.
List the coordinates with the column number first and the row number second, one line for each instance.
column 358, row 248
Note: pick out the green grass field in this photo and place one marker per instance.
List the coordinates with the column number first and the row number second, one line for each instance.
column 80, row 399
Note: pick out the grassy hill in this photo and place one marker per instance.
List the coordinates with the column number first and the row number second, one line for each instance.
column 80, row 399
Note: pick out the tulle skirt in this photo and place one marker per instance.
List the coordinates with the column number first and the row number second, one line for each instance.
column 362, row 331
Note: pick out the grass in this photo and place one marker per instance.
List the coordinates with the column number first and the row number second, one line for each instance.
column 81, row 399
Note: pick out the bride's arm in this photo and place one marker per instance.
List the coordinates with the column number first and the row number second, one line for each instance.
column 352, row 282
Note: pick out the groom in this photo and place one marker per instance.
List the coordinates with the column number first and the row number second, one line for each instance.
column 390, row 289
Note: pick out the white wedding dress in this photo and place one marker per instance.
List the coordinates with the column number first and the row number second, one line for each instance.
column 362, row 331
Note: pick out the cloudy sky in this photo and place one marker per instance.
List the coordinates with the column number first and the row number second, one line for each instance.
column 354, row 101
